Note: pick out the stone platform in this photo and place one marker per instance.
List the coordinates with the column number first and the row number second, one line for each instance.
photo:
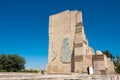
column 37, row 76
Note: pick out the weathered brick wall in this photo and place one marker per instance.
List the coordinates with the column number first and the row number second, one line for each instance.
column 110, row 66
column 61, row 26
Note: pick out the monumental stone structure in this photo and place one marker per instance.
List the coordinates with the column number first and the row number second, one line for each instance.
column 69, row 51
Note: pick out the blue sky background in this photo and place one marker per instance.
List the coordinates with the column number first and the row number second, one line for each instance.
column 24, row 26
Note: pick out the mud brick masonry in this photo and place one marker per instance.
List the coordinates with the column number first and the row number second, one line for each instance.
column 69, row 51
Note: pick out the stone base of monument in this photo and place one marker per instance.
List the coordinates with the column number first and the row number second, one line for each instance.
column 38, row 76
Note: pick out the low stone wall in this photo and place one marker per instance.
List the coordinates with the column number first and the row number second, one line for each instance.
column 38, row 76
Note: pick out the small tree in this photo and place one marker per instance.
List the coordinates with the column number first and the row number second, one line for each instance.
column 3, row 60
column 117, row 64
column 11, row 62
column 108, row 54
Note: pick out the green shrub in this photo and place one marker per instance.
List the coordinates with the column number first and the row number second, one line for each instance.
column 42, row 72
column 3, row 71
column 29, row 71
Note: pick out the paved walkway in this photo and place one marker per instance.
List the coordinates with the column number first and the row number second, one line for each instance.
column 38, row 76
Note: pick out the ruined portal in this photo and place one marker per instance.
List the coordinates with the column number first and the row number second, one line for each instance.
column 69, row 51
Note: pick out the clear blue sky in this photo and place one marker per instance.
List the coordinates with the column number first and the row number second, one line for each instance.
column 24, row 26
